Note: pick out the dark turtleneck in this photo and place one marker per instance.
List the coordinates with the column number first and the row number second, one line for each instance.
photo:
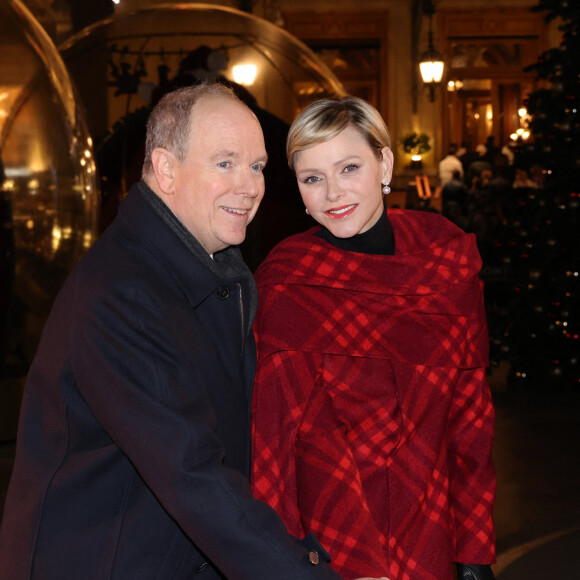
column 378, row 240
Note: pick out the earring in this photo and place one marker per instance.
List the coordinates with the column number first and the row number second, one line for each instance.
column 307, row 212
column 386, row 188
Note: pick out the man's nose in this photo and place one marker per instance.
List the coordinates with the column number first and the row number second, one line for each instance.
column 250, row 183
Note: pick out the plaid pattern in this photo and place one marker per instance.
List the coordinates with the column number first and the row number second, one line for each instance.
column 372, row 418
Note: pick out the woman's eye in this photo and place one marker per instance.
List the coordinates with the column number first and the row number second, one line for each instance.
column 351, row 167
column 312, row 179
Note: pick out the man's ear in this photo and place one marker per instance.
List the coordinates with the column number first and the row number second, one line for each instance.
column 163, row 162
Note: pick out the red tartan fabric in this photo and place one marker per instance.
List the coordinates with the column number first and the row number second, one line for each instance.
column 372, row 418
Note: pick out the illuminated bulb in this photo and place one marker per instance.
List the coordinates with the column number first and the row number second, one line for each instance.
column 245, row 74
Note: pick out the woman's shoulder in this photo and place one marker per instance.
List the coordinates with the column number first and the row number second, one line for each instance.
column 422, row 218
column 428, row 225
column 429, row 237
column 290, row 247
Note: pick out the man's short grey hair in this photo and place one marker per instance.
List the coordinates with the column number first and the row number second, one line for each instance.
column 169, row 123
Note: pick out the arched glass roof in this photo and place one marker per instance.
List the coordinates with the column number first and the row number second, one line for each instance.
column 48, row 194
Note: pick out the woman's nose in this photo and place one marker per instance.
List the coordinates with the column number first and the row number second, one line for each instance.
column 333, row 190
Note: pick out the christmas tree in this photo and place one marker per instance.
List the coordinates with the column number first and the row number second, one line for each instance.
column 555, row 124
column 533, row 307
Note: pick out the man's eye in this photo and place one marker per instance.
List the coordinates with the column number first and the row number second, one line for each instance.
column 351, row 167
column 224, row 164
column 258, row 167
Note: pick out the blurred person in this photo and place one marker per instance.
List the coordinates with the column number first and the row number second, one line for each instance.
column 449, row 165
column 467, row 156
column 479, row 164
column 454, row 198
column 491, row 148
column 522, row 179
column 133, row 447
column 538, row 175
column 372, row 416
column 462, row 149
column 507, row 151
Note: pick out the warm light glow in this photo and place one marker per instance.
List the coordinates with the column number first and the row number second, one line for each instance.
column 432, row 71
column 56, row 237
column 245, row 74
column 3, row 112
column 8, row 185
column 416, row 158
column 514, row 137
column 87, row 239
column 454, row 85
column 522, row 112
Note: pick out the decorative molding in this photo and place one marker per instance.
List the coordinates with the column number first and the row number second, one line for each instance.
column 349, row 30
column 501, row 22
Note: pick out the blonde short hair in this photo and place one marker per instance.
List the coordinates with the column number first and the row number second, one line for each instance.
column 325, row 119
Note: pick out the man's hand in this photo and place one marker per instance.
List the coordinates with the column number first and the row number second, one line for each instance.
column 474, row 572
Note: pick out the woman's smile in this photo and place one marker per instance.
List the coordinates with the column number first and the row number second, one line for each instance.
column 341, row 212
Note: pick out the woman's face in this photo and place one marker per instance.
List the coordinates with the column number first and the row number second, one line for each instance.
column 340, row 182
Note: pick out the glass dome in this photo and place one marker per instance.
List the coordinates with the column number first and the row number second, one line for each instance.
column 135, row 57
column 142, row 49
column 48, row 195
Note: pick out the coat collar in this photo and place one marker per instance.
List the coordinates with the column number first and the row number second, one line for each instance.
column 177, row 249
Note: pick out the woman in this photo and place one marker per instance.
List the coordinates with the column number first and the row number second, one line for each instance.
column 373, row 421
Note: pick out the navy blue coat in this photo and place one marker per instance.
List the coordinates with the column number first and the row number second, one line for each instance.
column 133, row 446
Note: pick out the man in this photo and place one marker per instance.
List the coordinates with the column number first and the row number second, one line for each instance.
column 449, row 165
column 478, row 165
column 133, row 444
column 455, row 197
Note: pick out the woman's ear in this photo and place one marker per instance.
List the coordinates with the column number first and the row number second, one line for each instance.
column 387, row 162
column 163, row 162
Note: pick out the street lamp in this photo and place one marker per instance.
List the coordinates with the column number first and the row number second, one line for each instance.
column 431, row 62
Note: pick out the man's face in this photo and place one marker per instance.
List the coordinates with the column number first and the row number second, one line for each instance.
column 220, row 184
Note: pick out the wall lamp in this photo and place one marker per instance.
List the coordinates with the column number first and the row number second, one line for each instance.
column 431, row 62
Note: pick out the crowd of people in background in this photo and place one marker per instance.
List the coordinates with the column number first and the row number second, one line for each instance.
column 477, row 185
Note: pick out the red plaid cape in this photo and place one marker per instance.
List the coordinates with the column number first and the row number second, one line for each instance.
column 372, row 418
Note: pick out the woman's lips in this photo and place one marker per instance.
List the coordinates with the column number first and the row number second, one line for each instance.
column 337, row 213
